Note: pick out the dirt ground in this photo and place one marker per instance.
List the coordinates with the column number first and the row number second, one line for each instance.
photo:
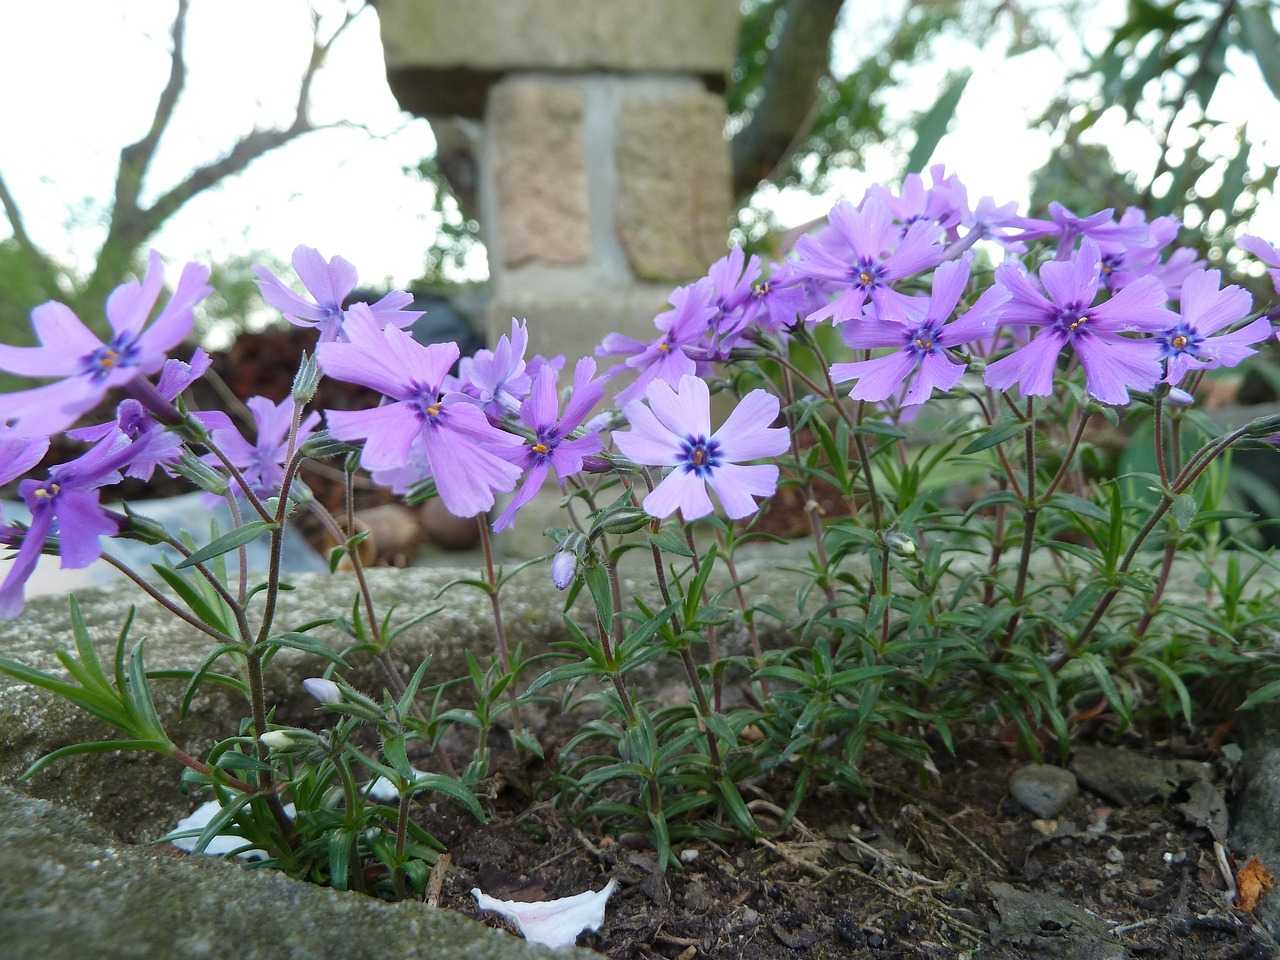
column 952, row 867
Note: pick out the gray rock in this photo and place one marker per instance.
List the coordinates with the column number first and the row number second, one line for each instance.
column 1051, row 926
column 72, row 891
column 1042, row 789
column 1130, row 779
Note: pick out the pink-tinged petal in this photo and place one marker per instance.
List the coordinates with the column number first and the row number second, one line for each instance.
column 648, row 442
column 390, row 309
column 1113, row 366
column 467, row 475
column 980, row 321
column 748, row 434
column 586, row 394
column 1266, row 252
column 936, row 373
column 61, row 331
column 869, row 333
column 129, row 304
column 177, row 320
column 737, row 486
column 1209, row 309
column 1031, row 366
column 1026, row 305
column 1074, row 282
column 328, row 281
column 277, row 295
column 949, row 281
column 18, row 453
column 1139, row 306
column 686, row 410
column 918, row 252
column 45, row 410
column 878, row 378
column 388, row 432
column 532, row 484
column 24, row 563
column 552, row 923
column 81, row 525
column 681, row 490
column 1229, row 349
column 539, row 409
column 568, row 454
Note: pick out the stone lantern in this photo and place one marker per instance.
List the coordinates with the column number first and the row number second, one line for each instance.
column 604, row 175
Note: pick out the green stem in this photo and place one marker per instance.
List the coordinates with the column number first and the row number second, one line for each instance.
column 500, row 632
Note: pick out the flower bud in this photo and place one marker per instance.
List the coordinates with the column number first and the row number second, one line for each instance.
column 278, row 740
column 326, row 691
column 201, row 474
column 626, row 520
column 563, row 567
column 306, row 379
column 900, row 544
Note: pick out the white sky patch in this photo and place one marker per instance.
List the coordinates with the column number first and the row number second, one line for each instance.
column 71, row 106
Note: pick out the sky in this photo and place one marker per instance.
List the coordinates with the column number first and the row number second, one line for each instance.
column 343, row 190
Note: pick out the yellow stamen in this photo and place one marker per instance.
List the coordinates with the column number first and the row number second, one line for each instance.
column 864, row 277
column 924, row 345
column 434, row 410
column 539, row 448
column 699, row 457
column 110, row 358
column 50, row 493
column 664, row 347
column 1179, row 342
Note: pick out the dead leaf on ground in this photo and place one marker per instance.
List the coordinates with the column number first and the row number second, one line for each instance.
column 1251, row 880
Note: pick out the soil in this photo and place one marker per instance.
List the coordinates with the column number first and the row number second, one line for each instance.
column 948, row 866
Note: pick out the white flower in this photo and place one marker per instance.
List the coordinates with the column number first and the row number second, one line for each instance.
column 552, row 923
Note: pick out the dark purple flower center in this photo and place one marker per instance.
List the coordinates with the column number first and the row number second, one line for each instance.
column 122, row 351
column 925, row 340
column 866, row 274
column 700, row 456
column 430, row 409
column 1181, row 339
column 761, row 290
column 545, row 445
column 1072, row 321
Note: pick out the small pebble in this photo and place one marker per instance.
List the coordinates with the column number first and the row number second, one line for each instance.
column 1042, row 789
column 689, row 855
column 1115, row 855
column 1046, row 828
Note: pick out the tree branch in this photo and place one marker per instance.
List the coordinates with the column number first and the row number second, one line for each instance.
column 131, row 224
column 40, row 265
column 789, row 90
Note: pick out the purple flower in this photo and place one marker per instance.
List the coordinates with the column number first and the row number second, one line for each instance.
column 675, row 431
column 733, row 278
column 1067, row 225
column 18, row 454
column 261, row 463
column 1266, row 252
column 551, row 445
column 675, row 353
column 856, row 257
column 448, row 436
column 330, row 282
column 1112, row 362
column 1189, row 343
column 922, row 343
column 90, row 367
column 67, row 502
column 497, row 378
column 153, row 445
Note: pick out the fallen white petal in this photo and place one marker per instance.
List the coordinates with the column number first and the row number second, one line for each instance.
column 552, row 923
column 223, row 843
column 383, row 790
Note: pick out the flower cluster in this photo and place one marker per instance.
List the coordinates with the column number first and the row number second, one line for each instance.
column 920, row 285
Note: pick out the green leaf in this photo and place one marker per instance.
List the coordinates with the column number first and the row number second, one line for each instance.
column 736, row 808
column 933, row 125
column 997, row 435
column 98, row 746
column 304, row 642
column 668, row 542
column 237, row 538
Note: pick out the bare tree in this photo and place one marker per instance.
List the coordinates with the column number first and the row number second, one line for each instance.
column 132, row 222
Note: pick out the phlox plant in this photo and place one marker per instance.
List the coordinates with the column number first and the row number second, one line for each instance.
column 924, row 395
